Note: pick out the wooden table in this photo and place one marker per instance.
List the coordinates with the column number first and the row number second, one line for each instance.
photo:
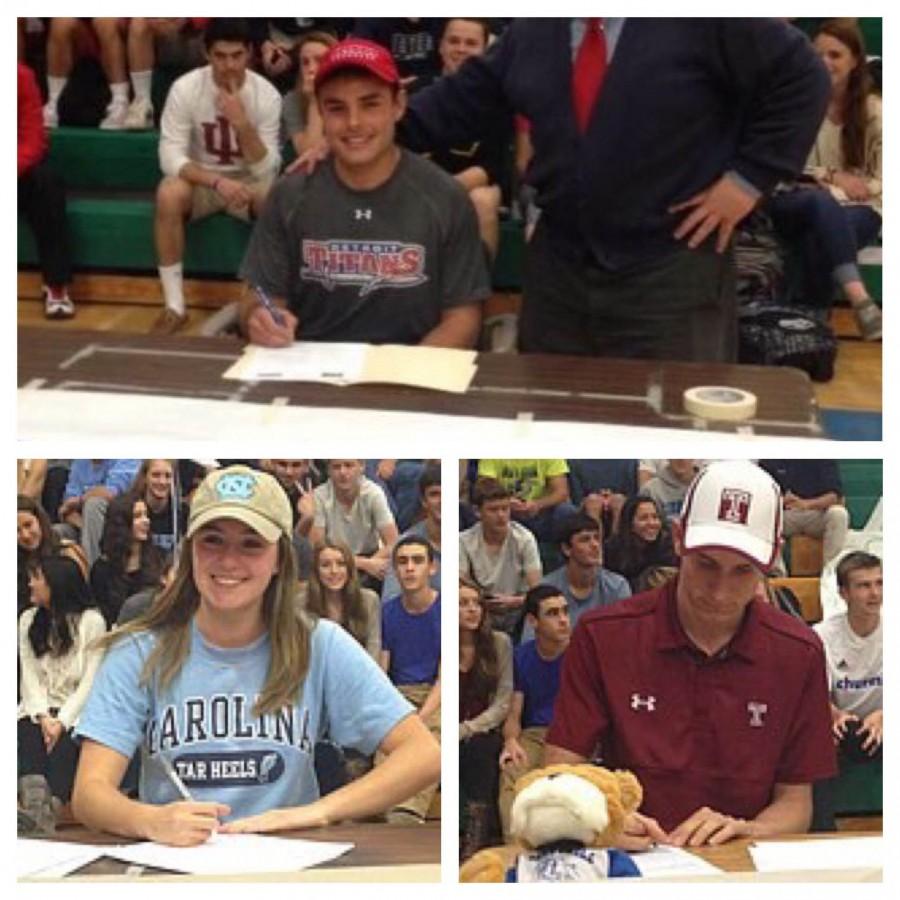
column 381, row 852
column 534, row 388
column 737, row 864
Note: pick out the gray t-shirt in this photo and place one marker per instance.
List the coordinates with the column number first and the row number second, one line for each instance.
column 377, row 266
column 503, row 573
column 359, row 526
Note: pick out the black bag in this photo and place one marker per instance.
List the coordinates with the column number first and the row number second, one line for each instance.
column 786, row 336
column 83, row 102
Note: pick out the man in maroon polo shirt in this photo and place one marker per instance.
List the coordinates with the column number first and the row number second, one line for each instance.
column 717, row 701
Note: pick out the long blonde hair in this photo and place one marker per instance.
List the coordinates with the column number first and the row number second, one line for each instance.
column 353, row 608
column 172, row 611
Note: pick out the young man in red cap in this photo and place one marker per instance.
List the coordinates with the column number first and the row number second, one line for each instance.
column 377, row 245
column 717, row 701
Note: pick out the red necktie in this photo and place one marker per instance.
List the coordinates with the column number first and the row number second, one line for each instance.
column 588, row 72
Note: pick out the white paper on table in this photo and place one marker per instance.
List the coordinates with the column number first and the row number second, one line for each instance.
column 436, row 368
column 53, row 859
column 302, row 361
column 665, row 862
column 836, row 853
column 233, row 854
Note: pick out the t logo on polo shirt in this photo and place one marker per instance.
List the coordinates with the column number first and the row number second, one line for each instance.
column 734, row 506
column 757, row 711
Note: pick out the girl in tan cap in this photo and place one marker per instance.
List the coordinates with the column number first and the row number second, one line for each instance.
column 226, row 684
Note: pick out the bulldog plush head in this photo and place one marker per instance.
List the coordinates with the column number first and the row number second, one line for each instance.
column 581, row 803
column 565, row 821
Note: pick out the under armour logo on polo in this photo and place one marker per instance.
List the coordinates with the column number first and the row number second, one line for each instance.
column 734, row 506
column 757, row 711
column 638, row 702
column 364, row 214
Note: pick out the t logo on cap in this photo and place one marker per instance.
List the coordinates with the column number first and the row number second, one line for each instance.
column 734, row 506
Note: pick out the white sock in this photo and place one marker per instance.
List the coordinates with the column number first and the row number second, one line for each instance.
column 119, row 93
column 141, row 83
column 171, row 278
column 55, row 87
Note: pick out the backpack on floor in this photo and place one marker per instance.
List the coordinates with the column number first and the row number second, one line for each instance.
column 786, row 336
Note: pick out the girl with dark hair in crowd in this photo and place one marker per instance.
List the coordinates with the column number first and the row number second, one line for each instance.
column 641, row 540
column 156, row 484
column 130, row 560
column 334, row 592
column 58, row 660
column 35, row 540
column 842, row 212
column 485, row 689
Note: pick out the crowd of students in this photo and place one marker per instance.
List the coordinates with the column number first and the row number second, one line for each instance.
column 519, row 609
column 223, row 125
column 130, row 554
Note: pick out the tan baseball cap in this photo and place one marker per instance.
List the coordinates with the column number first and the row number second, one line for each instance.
column 734, row 505
column 239, row 492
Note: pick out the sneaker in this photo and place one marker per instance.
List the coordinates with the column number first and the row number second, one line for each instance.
column 51, row 116
column 169, row 322
column 59, row 307
column 114, row 120
column 139, row 116
column 868, row 320
column 37, row 804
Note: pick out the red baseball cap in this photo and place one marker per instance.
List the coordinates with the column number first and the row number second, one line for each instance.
column 357, row 53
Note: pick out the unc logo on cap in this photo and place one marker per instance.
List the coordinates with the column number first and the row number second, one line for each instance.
column 236, row 486
column 734, row 506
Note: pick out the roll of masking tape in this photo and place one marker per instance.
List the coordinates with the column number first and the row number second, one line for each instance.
column 718, row 402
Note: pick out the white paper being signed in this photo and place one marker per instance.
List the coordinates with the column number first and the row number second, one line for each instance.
column 233, row 854
column 436, row 368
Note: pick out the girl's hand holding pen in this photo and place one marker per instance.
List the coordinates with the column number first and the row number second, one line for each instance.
column 185, row 823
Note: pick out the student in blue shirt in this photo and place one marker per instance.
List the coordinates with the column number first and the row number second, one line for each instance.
column 411, row 652
column 225, row 685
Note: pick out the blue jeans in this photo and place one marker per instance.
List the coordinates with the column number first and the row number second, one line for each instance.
column 828, row 237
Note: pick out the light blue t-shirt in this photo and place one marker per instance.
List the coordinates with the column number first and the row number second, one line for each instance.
column 203, row 723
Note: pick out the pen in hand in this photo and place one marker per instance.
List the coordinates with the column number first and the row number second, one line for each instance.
column 173, row 777
column 266, row 301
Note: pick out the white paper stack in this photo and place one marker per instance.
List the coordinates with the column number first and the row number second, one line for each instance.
column 341, row 364
column 672, row 862
column 813, row 855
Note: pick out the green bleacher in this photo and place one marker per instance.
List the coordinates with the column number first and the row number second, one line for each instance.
column 863, row 486
column 111, row 179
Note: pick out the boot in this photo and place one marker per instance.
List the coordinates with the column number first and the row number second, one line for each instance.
column 37, row 804
column 476, row 833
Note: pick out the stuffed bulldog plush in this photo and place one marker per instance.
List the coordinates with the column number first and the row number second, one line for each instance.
column 564, row 820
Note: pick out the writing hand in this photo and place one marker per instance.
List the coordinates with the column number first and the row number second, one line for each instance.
column 185, row 823
column 264, row 331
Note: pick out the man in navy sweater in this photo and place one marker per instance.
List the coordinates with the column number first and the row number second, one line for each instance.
column 688, row 122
